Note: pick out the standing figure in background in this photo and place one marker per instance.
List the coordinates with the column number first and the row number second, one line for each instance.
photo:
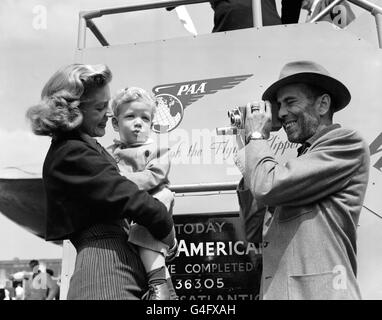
column 237, row 14
column 40, row 286
column 141, row 161
column 2, row 294
column 51, row 273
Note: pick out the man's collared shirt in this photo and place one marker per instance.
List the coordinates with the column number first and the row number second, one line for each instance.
column 305, row 146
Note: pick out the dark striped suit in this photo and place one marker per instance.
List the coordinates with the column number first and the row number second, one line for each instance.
column 107, row 267
column 89, row 202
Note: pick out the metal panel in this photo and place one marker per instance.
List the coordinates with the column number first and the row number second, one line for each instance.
column 260, row 53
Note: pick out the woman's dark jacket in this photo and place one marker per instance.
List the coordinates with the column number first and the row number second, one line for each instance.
column 83, row 187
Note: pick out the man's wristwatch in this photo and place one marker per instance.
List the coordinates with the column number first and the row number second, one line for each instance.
column 255, row 136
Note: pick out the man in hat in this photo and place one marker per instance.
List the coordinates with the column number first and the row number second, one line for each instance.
column 305, row 211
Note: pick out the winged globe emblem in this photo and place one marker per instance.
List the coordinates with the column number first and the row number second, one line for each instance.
column 174, row 98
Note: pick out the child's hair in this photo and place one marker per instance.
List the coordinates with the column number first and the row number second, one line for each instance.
column 59, row 108
column 132, row 94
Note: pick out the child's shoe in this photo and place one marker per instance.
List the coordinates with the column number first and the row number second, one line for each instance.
column 157, row 292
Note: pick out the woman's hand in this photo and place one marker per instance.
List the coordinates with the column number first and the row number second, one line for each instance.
column 166, row 197
column 170, row 239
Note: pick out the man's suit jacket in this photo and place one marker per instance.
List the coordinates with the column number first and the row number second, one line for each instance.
column 83, row 187
column 309, row 241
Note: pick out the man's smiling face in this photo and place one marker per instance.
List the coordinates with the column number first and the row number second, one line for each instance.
column 298, row 112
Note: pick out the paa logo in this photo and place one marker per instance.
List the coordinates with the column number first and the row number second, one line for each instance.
column 173, row 98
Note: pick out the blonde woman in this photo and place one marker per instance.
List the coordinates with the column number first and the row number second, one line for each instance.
column 88, row 201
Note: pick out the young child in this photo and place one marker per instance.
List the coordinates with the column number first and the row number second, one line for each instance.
column 141, row 161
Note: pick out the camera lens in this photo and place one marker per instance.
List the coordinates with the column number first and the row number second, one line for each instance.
column 232, row 118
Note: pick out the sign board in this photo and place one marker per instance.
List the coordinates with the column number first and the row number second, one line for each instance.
column 197, row 80
column 215, row 262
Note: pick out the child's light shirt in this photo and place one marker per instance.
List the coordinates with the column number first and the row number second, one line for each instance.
column 145, row 164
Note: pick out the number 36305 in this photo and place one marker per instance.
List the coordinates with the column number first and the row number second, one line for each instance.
column 207, row 283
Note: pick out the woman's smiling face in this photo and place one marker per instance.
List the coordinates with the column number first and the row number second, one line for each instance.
column 95, row 111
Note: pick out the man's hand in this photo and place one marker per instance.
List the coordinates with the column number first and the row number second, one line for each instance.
column 258, row 118
column 166, row 197
column 240, row 139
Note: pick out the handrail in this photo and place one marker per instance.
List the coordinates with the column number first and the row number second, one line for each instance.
column 204, row 187
column 257, row 13
column 86, row 16
column 374, row 9
column 140, row 7
column 367, row 5
column 324, row 12
column 91, row 25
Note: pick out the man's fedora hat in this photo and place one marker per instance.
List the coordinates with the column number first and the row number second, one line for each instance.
column 310, row 73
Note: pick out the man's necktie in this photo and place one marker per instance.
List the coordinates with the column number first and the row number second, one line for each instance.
column 304, row 147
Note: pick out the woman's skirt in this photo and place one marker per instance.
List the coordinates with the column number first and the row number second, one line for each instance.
column 107, row 266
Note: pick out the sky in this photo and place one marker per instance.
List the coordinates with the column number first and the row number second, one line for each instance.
column 36, row 38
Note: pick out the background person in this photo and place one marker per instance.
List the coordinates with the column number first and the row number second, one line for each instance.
column 308, row 208
column 40, row 286
column 88, row 201
column 50, row 272
column 237, row 14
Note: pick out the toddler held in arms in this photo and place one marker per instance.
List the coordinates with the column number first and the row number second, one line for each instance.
column 143, row 162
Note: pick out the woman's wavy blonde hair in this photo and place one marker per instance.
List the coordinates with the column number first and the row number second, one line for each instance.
column 59, row 108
